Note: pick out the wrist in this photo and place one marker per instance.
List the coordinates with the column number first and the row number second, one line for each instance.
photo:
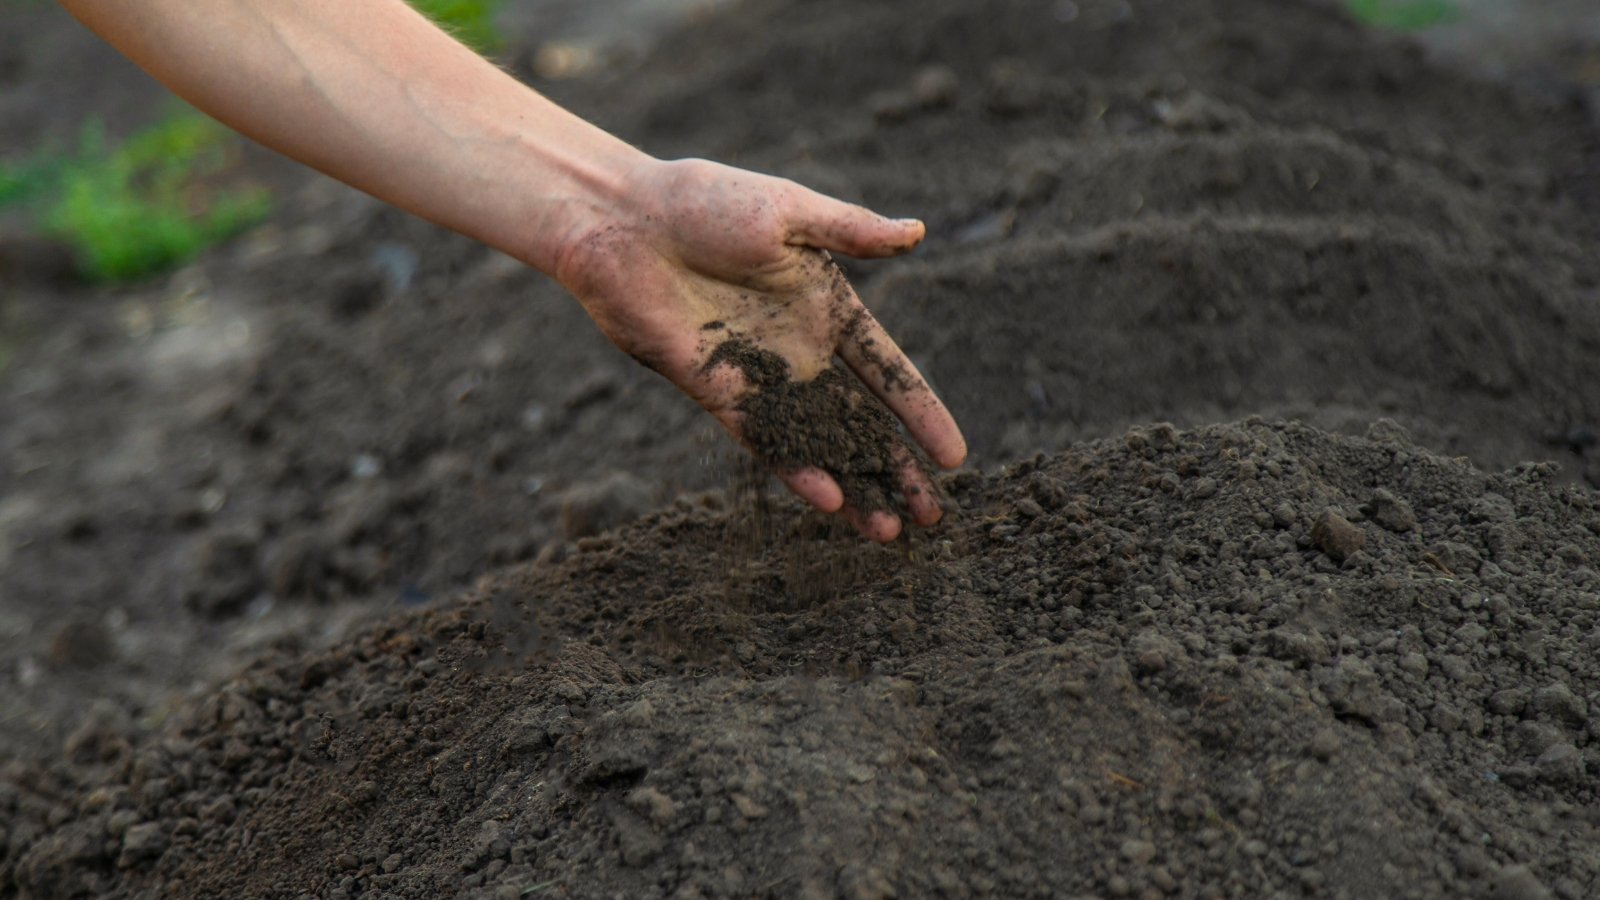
column 576, row 189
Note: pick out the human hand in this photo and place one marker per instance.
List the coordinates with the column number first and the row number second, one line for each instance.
column 695, row 254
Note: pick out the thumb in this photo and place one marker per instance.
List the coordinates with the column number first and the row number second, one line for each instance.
column 829, row 224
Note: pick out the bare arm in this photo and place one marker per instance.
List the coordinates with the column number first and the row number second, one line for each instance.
column 372, row 93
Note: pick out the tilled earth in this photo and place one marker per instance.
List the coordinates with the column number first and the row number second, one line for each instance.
column 1248, row 660
column 1239, row 660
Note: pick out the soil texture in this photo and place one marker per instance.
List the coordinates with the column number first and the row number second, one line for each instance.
column 323, row 571
column 1140, row 667
column 829, row 423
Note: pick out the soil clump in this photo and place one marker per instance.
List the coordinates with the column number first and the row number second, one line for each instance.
column 830, row 423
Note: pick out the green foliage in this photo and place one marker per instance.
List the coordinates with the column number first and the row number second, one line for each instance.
column 1403, row 15
column 132, row 210
column 28, row 179
column 471, row 21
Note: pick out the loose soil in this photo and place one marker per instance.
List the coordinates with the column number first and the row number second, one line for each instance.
column 829, row 423
column 1329, row 653
column 1133, row 668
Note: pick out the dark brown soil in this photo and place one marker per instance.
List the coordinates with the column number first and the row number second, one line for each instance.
column 1331, row 658
column 829, row 423
column 1128, row 668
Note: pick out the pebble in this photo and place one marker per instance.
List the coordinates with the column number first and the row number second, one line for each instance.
column 1284, row 515
column 1508, row 702
column 1559, row 702
column 1030, row 508
column 1391, row 512
column 1415, row 663
column 748, row 807
column 1561, row 764
column 1138, row 852
column 142, row 841
column 1334, row 535
column 639, row 845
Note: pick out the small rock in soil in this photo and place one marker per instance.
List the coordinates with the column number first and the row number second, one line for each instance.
column 141, row 842
column 1391, row 512
column 1334, row 535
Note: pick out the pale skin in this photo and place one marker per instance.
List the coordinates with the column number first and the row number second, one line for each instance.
column 373, row 94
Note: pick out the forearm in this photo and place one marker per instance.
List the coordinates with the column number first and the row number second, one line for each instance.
column 373, row 94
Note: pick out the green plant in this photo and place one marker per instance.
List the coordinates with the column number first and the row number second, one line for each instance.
column 145, row 205
column 471, row 21
column 28, row 179
column 1403, row 15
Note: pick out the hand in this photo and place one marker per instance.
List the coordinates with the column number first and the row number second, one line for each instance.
column 692, row 243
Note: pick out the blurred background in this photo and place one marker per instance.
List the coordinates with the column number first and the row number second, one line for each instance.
column 105, row 177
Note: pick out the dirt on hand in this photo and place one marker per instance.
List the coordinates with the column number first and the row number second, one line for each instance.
column 830, row 423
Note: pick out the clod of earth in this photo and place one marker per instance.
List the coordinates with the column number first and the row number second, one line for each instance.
column 830, row 422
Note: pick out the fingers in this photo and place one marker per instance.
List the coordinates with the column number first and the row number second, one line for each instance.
column 810, row 484
column 815, row 487
column 819, row 489
column 879, row 362
column 828, row 224
column 874, row 526
column 822, row 491
column 922, row 498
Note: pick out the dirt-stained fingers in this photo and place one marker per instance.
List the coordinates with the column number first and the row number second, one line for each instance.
column 815, row 487
column 879, row 362
column 921, row 496
column 820, row 221
column 877, row 525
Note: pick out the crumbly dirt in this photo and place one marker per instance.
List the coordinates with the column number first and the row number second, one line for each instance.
column 830, row 423
column 1124, row 670
column 377, row 468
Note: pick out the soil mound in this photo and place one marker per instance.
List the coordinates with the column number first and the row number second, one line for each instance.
column 1243, row 660
column 1248, row 660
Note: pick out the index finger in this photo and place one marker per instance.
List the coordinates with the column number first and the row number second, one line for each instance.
column 879, row 362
